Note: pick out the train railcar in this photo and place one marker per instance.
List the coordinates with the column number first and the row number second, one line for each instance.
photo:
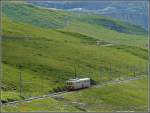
column 78, row 83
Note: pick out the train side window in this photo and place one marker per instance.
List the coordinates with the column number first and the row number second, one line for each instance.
column 69, row 83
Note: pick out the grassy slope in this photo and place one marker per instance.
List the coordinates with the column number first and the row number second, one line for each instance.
column 92, row 25
column 131, row 96
column 30, row 39
column 36, row 43
column 110, row 23
column 108, row 35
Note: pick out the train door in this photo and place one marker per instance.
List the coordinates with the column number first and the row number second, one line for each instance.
column 82, row 85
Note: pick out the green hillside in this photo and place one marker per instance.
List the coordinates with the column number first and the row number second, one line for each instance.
column 130, row 96
column 96, row 26
column 46, row 44
column 58, row 19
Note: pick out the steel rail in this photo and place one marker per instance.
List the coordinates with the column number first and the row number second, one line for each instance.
column 55, row 94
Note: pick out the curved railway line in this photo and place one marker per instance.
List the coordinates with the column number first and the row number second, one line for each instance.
column 58, row 93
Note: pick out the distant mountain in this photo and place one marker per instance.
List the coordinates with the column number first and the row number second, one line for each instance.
column 135, row 12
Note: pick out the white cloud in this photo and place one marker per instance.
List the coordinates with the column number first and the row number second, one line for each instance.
column 76, row 9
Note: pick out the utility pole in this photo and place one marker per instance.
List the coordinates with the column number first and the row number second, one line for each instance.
column 20, row 84
column 101, row 70
column 127, row 68
column 147, row 69
column 75, row 71
column 110, row 69
column 134, row 71
column 42, row 88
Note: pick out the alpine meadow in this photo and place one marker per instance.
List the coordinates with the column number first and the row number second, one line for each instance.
column 42, row 48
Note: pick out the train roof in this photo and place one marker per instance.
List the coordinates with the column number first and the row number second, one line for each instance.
column 78, row 79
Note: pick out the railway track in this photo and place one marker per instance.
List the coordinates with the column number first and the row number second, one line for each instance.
column 33, row 98
column 55, row 94
column 120, row 81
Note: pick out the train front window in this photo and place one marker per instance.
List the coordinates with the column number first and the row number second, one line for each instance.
column 69, row 83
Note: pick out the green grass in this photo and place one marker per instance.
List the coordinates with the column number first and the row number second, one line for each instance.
column 140, row 52
column 101, row 33
column 56, row 51
column 47, row 48
column 88, row 24
column 109, row 23
column 47, row 105
column 31, row 82
column 28, row 13
column 9, row 96
column 130, row 96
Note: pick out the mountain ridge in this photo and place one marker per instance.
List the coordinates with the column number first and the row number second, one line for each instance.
column 61, row 18
column 114, row 9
